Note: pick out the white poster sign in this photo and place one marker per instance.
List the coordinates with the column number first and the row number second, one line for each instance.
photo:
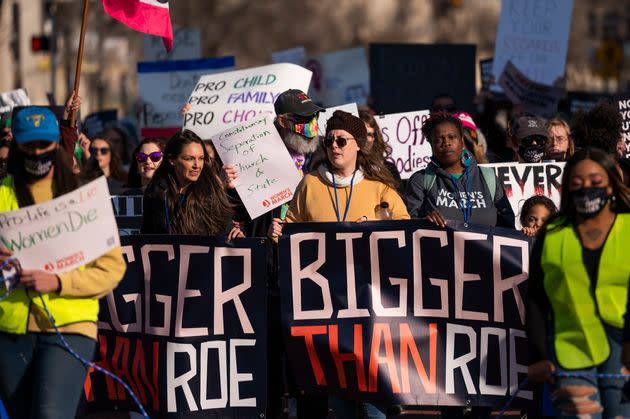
column 534, row 35
column 403, row 133
column 340, row 77
column 295, row 55
column 524, row 180
column 267, row 176
column 223, row 100
column 324, row 116
column 186, row 46
column 165, row 87
column 64, row 233
column 9, row 100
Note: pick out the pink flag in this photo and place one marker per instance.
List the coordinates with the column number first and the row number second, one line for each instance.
column 148, row 16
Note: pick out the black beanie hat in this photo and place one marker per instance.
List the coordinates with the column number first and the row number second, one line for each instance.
column 348, row 122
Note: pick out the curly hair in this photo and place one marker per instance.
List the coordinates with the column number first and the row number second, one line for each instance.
column 537, row 200
column 438, row 118
column 599, row 127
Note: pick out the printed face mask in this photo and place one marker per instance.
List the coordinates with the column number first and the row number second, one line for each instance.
column 38, row 166
column 589, row 202
column 532, row 153
column 308, row 130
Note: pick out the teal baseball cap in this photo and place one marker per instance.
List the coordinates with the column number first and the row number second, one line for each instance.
column 35, row 123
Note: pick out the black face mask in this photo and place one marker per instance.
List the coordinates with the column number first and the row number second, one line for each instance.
column 38, row 166
column 589, row 202
column 532, row 153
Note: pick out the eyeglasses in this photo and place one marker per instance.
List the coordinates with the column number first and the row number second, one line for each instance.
column 103, row 150
column 341, row 141
column 155, row 157
column 527, row 141
column 559, row 139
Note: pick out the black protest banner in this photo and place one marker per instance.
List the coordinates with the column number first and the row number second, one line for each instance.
column 186, row 328
column 404, row 313
column 407, row 77
column 623, row 103
column 128, row 212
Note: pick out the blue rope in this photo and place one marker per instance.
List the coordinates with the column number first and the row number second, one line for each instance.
column 507, row 405
column 66, row 345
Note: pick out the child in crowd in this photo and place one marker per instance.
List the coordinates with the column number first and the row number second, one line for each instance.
column 535, row 212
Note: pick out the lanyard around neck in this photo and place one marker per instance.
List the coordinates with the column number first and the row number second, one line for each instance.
column 345, row 213
column 466, row 210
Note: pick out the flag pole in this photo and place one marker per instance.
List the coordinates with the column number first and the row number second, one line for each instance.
column 77, row 72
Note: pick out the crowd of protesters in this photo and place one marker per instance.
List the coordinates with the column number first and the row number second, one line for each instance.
column 579, row 272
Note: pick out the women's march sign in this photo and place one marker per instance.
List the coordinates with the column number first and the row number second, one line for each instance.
column 64, row 233
column 223, row 100
column 267, row 176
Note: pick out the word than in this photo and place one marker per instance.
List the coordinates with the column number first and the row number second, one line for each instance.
column 388, row 360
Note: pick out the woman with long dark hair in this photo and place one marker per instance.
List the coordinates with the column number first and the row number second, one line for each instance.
column 38, row 377
column 146, row 158
column 578, row 290
column 186, row 195
column 104, row 160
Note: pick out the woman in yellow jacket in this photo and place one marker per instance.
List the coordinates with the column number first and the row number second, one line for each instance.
column 38, row 377
column 578, row 288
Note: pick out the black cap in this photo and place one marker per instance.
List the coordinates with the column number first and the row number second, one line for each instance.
column 296, row 102
column 527, row 126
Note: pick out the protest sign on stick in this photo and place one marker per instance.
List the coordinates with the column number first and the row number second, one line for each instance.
column 534, row 98
column 164, row 88
column 534, row 35
column 267, row 176
column 64, row 233
column 403, row 133
column 623, row 103
column 223, row 100
column 368, row 315
column 186, row 328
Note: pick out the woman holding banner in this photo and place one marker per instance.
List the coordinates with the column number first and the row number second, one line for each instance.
column 578, row 288
column 38, row 376
column 349, row 185
column 453, row 187
column 186, row 194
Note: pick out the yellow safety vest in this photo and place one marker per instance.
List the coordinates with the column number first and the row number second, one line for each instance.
column 14, row 310
column 580, row 338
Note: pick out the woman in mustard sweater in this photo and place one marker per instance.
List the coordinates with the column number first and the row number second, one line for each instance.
column 349, row 185
column 38, row 377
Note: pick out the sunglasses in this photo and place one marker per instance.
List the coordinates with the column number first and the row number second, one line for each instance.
column 528, row 141
column 155, row 157
column 96, row 150
column 341, row 141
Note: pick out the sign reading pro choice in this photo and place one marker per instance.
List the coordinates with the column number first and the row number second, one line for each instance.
column 267, row 176
column 223, row 100
column 63, row 233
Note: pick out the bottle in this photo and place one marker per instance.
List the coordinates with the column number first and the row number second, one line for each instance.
column 383, row 212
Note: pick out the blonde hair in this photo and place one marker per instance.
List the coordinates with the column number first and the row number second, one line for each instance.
column 559, row 122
